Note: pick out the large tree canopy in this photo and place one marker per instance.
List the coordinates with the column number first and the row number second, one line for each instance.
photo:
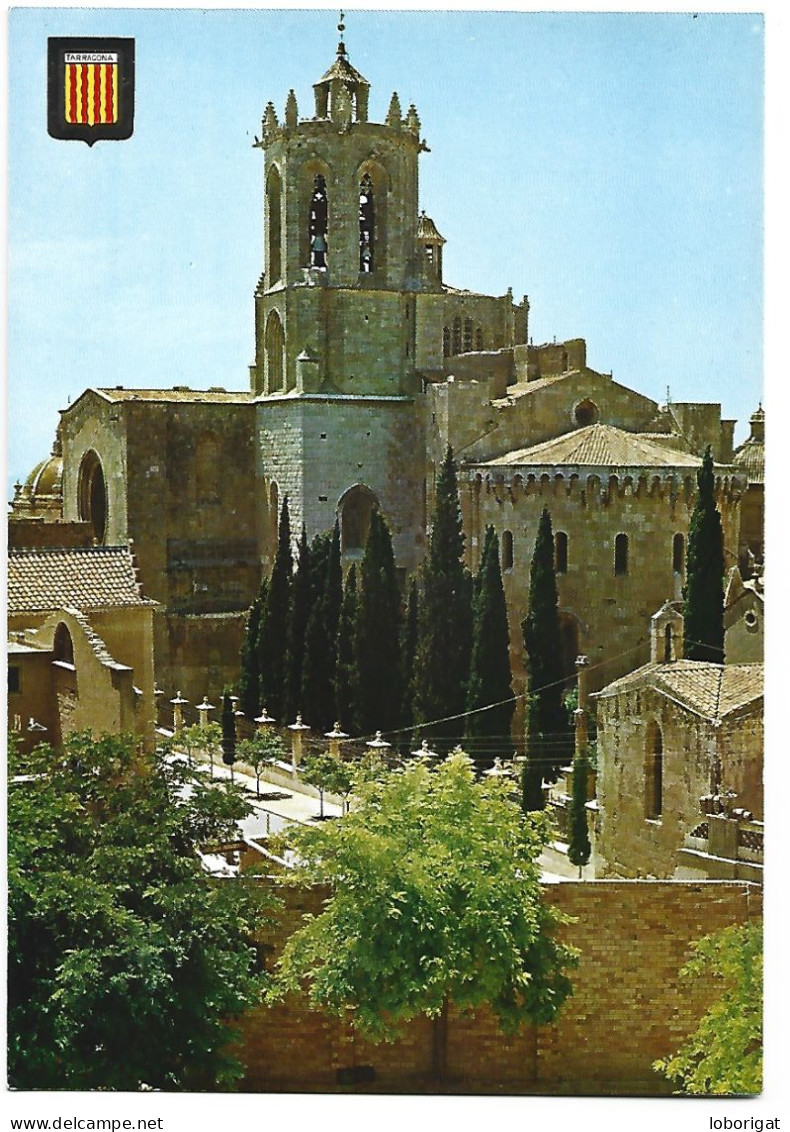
column 724, row 1055
column 436, row 898
column 126, row 960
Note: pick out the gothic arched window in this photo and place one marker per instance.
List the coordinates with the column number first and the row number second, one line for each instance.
column 319, row 216
column 356, row 507
column 479, row 338
column 447, row 342
column 468, row 331
column 92, row 494
column 275, row 349
column 367, row 229
column 274, row 213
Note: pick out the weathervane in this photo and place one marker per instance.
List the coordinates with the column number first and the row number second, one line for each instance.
column 341, row 27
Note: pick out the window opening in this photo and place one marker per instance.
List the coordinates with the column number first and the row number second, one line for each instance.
column 561, row 552
column 457, row 335
column 14, row 681
column 319, row 212
column 668, row 644
column 586, row 412
column 366, row 224
column 621, row 555
column 507, row 550
column 479, row 339
column 447, row 344
column 678, row 553
column 468, row 330
column 654, row 773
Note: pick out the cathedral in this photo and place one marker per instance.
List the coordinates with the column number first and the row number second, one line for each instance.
column 367, row 365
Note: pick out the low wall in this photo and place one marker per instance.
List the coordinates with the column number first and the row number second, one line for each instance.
column 628, row 1007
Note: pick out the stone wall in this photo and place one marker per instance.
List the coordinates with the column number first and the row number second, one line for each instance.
column 631, row 843
column 628, row 1007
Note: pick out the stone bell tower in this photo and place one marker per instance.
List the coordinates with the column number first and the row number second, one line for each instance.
column 339, row 409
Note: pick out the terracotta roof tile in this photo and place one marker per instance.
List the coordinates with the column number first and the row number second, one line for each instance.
column 86, row 577
column 709, row 690
column 601, row 446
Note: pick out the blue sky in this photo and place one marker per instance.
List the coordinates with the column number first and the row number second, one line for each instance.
column 610, row 166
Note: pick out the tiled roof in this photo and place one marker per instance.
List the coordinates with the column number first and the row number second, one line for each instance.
column 427, row 230
column 750, row 458
column 85, row 577
column 709, row 690
column 601, row 446
column 194, row 396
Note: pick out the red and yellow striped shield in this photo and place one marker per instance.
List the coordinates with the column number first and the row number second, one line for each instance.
column 91, row 88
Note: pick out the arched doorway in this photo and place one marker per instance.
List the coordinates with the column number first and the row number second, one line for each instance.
column 355, row 508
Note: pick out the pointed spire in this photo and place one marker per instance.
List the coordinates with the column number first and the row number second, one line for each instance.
column 413, row 120
column 394, row 114
column 291, row 111
column 269, row 119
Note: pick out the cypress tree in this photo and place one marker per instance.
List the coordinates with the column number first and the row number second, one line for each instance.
column 318, row 677
column 549, row 741
column 579, row 848
column 345, row 677
column 249, row 675
column 489, row 672
column 273, row 628
column 334, row 586
column 531, row 780
column 703, row 593
column 408, row 651
column 301, row 605
column 377, row 635
column 444, row 641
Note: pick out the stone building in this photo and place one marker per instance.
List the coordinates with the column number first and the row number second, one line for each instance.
column 367, row 364
column 80, row 647
column 671, row 735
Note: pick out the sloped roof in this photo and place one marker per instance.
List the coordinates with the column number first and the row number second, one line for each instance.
column 342, row 69
column 84, row 577
column 712, row 691
column 200, row 396
column 427, row 230
column 602, row 446
column 750, row 459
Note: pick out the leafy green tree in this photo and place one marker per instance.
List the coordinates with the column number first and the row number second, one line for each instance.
column 488, row 732
column 299, row 615
column 703, row 593
column 724, row 1055
column 441, row 666
column 260, row 751
column 273, row 628
column 549, row 737
column 249, row 675
column 228, row 732
column 345, row 671
column 326, row 771
column 196, row 739
column 377, row 635
column 436, row 899
column 579, row 848
column 126, row 961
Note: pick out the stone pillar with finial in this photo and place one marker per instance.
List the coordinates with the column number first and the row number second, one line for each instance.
column 264, row 720
column 178, row 713
column 334, row 736
column 203, row 710
column 425, row 753
column 297, row 730
column 378, row 744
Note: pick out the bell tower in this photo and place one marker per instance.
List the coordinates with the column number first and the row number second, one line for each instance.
column 335, row 307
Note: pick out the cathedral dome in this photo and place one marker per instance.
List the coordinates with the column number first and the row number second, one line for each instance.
column 41, row 495
column 750, row 457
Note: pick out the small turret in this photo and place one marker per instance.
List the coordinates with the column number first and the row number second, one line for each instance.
column 291, row 111
column 394, row 114
column 342, row 89
column 413, row 120
column 431, row 242
column 270, row 122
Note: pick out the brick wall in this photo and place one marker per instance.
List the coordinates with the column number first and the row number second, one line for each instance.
column 628, row 1006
